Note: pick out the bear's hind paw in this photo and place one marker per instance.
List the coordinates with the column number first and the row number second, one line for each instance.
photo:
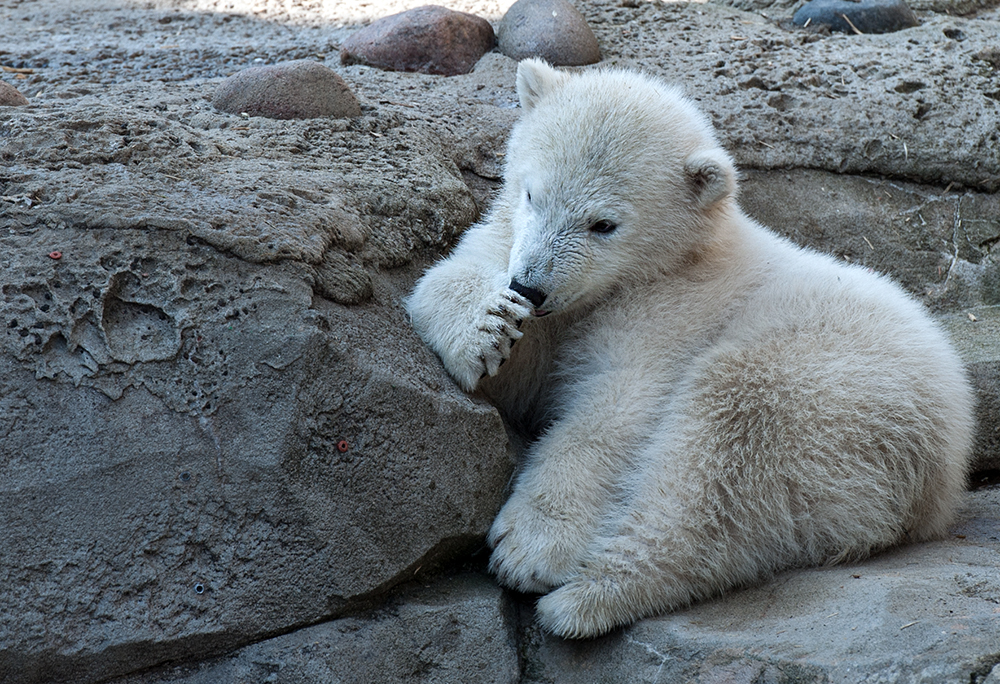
column 587, row 607
column 578, row 610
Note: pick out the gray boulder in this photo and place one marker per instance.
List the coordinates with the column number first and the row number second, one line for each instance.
column 553, row 30
column 459, row 629
column 201, row 447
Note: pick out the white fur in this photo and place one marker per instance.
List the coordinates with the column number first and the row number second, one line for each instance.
column 707, row 403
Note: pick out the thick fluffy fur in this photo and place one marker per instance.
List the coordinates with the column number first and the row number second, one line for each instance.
column 707, row 403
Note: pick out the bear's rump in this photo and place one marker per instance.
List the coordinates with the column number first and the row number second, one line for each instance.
column 786, row 439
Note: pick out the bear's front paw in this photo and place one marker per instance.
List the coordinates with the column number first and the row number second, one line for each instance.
column 487, row 343
column 533, row 551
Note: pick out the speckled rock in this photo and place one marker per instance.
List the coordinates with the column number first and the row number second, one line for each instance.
column 10, row 97
column 429, row 39
column 459, row 629
column 551, row 29
column 302, row 89
column 857, row 16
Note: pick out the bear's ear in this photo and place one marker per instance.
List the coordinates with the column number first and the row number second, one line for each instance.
column 711, row 177
column 535, row 78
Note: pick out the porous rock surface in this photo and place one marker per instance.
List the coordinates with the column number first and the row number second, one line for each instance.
column 459, row 629
column 223, row 452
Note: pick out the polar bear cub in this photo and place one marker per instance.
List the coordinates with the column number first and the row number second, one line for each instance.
column 705, row 402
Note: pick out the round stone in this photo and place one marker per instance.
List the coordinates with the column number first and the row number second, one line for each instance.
column 428, row 40
column 303, row 89
column 857, row 16
column 10, row 97
column 553, row 30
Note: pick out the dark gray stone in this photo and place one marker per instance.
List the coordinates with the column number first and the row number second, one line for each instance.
column 857, row 16
column 459, row 629
column 429, row 39
column 553, row 30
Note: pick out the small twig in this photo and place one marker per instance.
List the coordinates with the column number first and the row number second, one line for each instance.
column 851, row 24
column 909, row 624
column 399, row 104
column 869, row 243
column 808, row 21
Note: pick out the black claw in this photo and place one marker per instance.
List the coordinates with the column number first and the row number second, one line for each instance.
column 502, row 362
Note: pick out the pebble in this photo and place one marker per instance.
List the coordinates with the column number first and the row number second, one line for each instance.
column 429, row 40
column 551, row 29
column 867, row 16
column 302, row 89
column 991, row 55
column 10, row 97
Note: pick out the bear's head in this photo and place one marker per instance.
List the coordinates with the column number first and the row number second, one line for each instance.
column 611, row 177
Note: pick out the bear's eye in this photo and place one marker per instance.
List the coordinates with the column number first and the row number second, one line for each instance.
column 603, row 227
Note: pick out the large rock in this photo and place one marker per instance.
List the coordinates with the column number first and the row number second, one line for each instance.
column 917, row 105
column 200, row 447
column 459, row 629
column 856, row 16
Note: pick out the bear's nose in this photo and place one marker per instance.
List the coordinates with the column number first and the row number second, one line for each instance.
column 531, row 294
